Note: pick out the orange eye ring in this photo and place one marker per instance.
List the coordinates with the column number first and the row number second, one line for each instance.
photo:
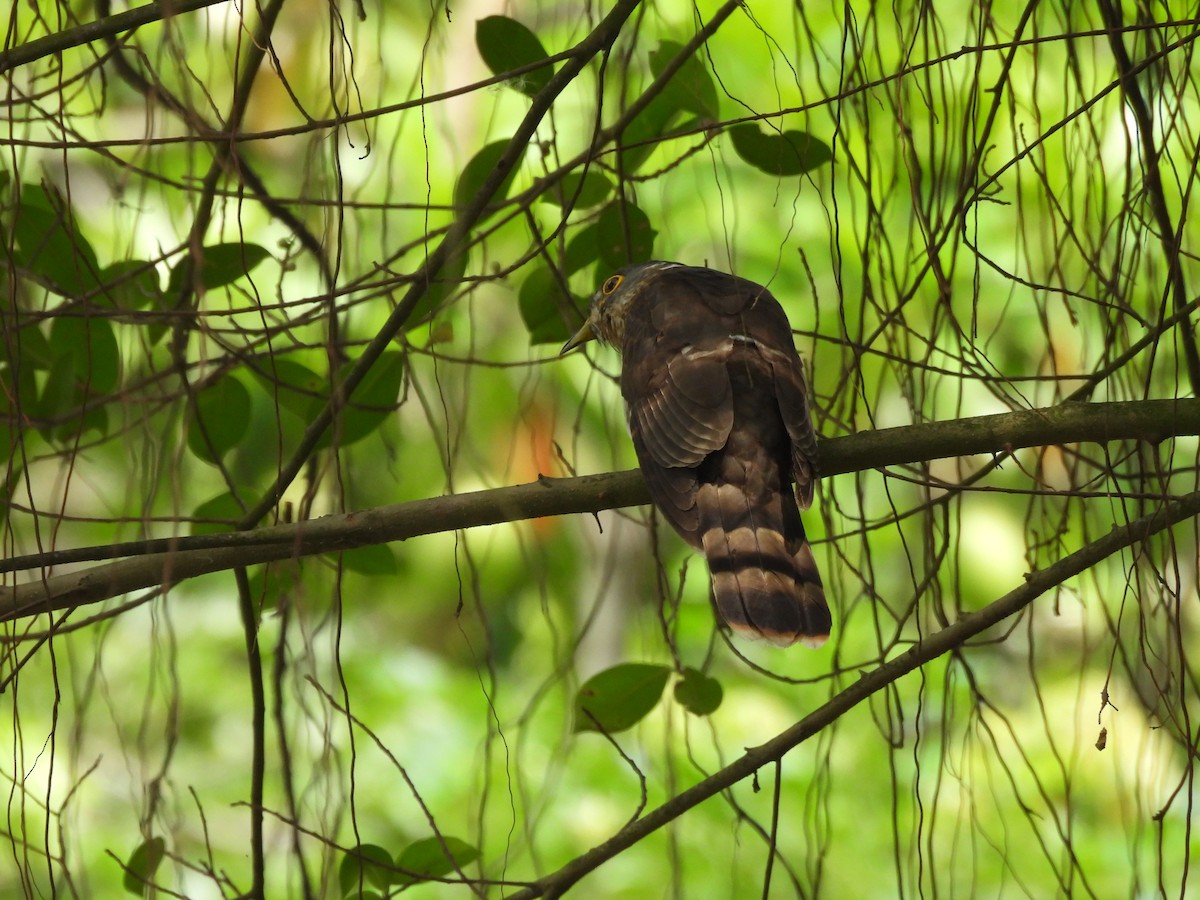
column 611, row 284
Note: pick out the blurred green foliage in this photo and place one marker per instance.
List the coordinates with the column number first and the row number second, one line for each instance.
column 950, row 211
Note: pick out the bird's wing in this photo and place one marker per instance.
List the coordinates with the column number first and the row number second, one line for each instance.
column 687, row 412
column 683, row 415
column 755, row 314
column 674, row 375
column 676, row 387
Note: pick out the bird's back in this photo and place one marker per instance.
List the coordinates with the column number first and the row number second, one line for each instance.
column 719, row 419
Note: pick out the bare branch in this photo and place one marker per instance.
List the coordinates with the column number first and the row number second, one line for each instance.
column 173, row 560
column 938, row 643
column 451, row 244
column 109, row 26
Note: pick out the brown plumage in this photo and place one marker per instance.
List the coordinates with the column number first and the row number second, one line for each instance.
column 718, row 411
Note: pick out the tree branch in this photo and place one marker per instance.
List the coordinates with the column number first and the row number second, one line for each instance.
column 598, row 41
column 950, row 637
column 109, row 26
column 169, row 561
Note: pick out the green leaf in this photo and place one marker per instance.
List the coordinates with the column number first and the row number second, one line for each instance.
column 376, row 559
column 142, row 864
column 222, row 264
column 476, row 172
column 95, row 419
column 366, row 864
column 620, row 697
column 447, row 281
column 48, row 244
column 651, row 123
column 219, row 418
column 426, row 858
column 18, row 401
column 90, row 341
column 505, row 44
column 697, row 693
column 298, row 389
column 789, row 153
column 582, row 250
column 373, row 403
column 85, row 364
column 18, row 384
column 616, row 223
column 30, row 347
column 130, row 285
column 60, row 394
column 9, row 437
column 220, row 513
column 691, row 88
column 542, row 301
column 583, row 189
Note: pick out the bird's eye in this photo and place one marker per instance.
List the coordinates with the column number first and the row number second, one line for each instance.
column 611, row 284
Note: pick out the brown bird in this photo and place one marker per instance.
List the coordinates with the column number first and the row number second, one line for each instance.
column 718, row 410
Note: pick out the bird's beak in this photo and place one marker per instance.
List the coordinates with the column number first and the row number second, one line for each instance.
column 582, row 336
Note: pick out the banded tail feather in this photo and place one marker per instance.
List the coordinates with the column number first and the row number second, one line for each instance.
column 764, row 579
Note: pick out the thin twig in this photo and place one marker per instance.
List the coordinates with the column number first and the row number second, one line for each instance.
column 949, row 638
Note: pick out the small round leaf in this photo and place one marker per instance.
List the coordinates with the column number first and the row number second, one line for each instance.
column 582, row 189
column 297, row 388
column 582, row 250
column 448, row 279
column 220, row 513
column 49, row 245
column 366, row 864
column 691, row 87
column 222, row 264
column 477, row 171
column 220, row 417
column 85, row 364
column 698, row 693
column 789, row 153
column 271, row 583
column 374, row 559
column 505, row 44
column 620, row 697
column 426, row 858
column 624, row 235
column 129, row 285
column 142, row 864
column 372, row 404
column 638, row 140
column 542, row 301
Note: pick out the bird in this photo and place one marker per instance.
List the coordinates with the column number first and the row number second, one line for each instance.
column 718, row 410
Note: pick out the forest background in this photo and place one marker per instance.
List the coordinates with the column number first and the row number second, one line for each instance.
column 325, row 576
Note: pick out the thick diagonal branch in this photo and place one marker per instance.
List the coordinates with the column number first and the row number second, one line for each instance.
column 451, row 244
column 955, row 635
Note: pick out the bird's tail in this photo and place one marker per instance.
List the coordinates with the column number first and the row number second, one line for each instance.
column 765, row 580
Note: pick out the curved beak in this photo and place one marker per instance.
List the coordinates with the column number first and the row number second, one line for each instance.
column 582, row 336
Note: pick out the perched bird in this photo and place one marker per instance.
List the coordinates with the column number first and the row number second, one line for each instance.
column 718, row 410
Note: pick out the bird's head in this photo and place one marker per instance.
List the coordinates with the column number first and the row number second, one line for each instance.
column 611, row 302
